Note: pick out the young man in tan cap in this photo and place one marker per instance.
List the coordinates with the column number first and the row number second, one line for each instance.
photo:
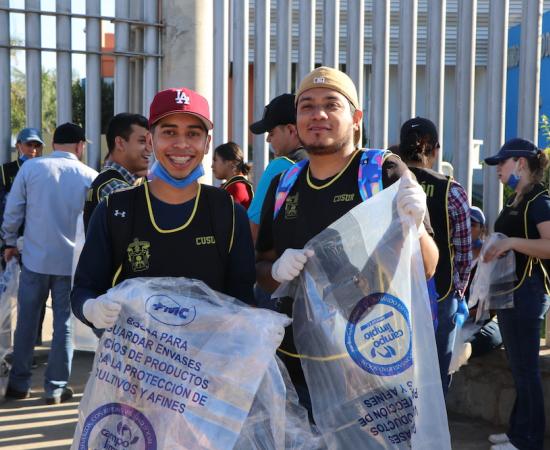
column 328, row 123
column 158, row 229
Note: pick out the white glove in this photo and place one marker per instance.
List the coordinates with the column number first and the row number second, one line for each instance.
column 290, row 264
column 101, row 311
column 411, row 200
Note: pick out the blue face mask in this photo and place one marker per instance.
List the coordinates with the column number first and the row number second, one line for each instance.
column 158, row 171
column 23, row 158
column 513, row 180
column 478, row 243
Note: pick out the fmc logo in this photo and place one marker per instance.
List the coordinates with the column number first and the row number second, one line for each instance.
column 169, row 311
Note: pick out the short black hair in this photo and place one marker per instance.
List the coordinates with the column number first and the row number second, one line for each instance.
column 121, row 125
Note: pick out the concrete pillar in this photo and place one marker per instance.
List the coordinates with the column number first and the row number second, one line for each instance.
column 122, row 42
column 240, row 75
column 261, row 82
column 5, row 85
column 465, row 65
column 151, row 46
column 284, row 46
column 407, row 60
column 356, row 48
column 93, row 84
column 331, row 33
column 221, row 74
column 529, row 69
column 306, row 50
column 496, row 106
column 33, row 66
column 379, row 98
column 64, row 64
column 187, row 45
column 435, row 68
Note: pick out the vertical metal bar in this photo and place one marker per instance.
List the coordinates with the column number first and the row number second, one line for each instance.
column 33, row 65
column 221, row 71
column 136, row 102
column 529, row 69
column 150, row 45
column 64, row 64
column 284, row 45
column 5, row 84
column 407, row 59
column 435, row 68
column 356, row 52
column 331, row 33
column 465, row 62
column 496, row 107
column 240, row 74
column 378, row 114
column 122, row 41
column 261, row 82
column 93, row 84
column 306, row 45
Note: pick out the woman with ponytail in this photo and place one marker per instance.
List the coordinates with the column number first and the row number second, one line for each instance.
column 228, row 164
column 525, row 219
column 450, row 219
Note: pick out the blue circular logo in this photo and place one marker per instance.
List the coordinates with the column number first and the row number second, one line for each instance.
column 379, row 336
column 135, row 433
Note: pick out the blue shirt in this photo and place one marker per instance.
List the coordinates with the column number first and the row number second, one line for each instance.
column 273, row 169
column 95, row 269
column 48, row 193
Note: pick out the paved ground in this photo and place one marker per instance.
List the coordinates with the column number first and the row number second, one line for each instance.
column 30, row 424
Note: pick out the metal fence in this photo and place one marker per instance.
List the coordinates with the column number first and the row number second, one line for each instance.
column 136, row 54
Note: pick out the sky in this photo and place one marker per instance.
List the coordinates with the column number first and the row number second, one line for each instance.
column 17, row 32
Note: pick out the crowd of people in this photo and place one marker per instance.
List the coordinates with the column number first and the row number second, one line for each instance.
column 147, row 214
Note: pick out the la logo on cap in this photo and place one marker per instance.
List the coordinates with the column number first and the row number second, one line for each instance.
column 318, row 80
column 181, row 98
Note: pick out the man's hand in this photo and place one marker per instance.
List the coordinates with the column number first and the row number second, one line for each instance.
column 411, row 200
column 10, row 252
column 101, row 311
column 290, row 264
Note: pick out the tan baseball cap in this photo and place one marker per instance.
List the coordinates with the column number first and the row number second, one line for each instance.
column 329, row 78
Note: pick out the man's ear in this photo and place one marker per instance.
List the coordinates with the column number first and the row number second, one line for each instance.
column 357, row 116
column 292, row 129
column 119, row 142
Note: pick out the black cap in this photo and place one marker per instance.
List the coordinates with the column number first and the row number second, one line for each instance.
column 69, row 133
column 513, row 148
column 420, row 126
column 280, row 111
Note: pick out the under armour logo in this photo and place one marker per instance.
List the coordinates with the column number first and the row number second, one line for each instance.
column 318, row 80
column 181, row 98
column 119, row 213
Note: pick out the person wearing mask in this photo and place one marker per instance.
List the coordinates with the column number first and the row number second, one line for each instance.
column 279, row 122
column 525, row 219
column 228, row 164
column 126, row 163
column 450, row 218
column 322, row 189
column 48, row 194
column 171, row 226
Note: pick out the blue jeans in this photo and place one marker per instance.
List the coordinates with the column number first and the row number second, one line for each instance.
column 445, row 335
column 33, row 293
column 520, row 328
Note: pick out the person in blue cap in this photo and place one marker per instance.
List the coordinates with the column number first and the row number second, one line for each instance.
column 29, row 144
column 525, row 219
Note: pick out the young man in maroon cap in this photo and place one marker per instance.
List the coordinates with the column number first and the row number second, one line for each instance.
column 157, row 229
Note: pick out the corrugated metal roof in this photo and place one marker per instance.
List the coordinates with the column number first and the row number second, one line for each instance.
column 482, row 29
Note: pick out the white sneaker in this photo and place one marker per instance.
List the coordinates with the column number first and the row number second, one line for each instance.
column 500, row 438
column 505, row 446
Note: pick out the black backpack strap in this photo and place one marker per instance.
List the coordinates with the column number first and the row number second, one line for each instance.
column 121, row 205
column 222, row 217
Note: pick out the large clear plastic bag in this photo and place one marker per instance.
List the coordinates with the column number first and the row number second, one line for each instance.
column 9, row 284
column 276, row 419
column 83, row 337
column 179, row 370
column 363, row 327
column 494, row 281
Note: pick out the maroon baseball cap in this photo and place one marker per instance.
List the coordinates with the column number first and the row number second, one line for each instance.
column 180, row 100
